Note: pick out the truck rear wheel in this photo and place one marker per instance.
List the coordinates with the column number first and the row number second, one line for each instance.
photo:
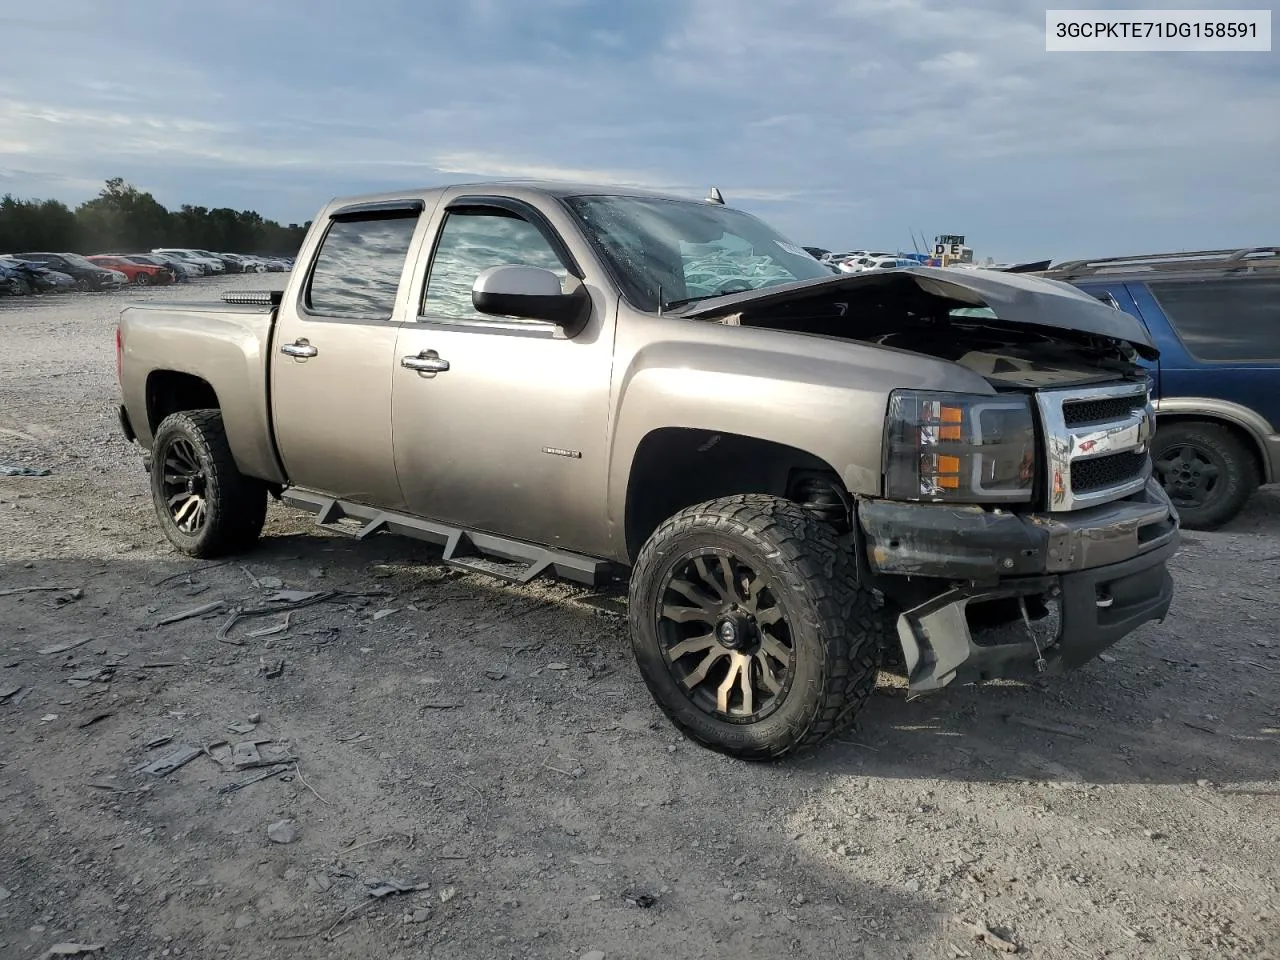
column 750, row 629
column 206, row 506
column 1207, row 471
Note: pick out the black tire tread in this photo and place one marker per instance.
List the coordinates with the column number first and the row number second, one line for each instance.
column 816, row 565
column 1240, row 460
column 238, row 504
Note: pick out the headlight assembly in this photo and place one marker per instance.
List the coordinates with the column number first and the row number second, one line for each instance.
column 959, row 448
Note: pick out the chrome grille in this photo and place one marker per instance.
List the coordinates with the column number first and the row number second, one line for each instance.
column 1079, row 412
column 1097, row 443
column 1108, row 471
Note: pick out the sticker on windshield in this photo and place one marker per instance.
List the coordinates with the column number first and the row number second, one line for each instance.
column 792, row 249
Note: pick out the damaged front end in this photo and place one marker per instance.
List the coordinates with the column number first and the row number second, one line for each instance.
column 985, row 594
column 1018, row 530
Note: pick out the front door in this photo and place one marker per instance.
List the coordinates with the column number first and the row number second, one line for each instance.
column 334, row 350
column 510, row 438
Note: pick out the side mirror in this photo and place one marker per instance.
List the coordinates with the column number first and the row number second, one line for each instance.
column 531, row 293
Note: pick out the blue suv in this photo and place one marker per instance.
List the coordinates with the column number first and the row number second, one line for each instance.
column 1215, row 317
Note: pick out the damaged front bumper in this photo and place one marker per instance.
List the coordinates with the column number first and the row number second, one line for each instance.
column 1100, row 572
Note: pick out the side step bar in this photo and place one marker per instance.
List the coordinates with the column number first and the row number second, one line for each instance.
column 511, row 560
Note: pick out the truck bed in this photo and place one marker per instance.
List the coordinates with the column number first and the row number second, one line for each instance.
column 217, row 343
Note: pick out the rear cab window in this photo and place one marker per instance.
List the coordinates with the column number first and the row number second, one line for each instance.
column 1224, row 320
column 357, row 271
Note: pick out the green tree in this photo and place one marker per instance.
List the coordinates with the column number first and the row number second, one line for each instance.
column 124, row 219
column 121, row 219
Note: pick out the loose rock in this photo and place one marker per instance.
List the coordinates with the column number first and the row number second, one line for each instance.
column 282, row 831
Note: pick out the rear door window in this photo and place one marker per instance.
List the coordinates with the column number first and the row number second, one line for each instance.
column 357, row 271
column 1224, row 320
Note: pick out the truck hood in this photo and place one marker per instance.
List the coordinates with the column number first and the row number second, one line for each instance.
column 1014, row 298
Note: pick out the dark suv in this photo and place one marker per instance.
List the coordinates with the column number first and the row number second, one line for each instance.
column 1215, row 315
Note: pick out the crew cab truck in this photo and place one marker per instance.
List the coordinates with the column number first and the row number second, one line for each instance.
column 798, row 473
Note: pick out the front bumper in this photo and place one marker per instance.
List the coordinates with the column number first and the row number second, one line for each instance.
column 1100, row 572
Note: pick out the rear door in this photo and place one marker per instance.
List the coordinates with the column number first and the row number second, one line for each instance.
column 333, row 356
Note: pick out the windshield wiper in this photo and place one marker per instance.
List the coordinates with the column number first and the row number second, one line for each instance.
column 683, row 301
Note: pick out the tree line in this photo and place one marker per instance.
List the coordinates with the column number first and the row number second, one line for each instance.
column 124, row 219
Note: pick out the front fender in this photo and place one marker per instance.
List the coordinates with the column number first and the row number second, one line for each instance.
column 823, row 396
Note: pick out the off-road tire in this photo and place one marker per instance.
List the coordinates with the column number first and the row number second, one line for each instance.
column 1238, row 470
column 833, row 622
column 236, row 504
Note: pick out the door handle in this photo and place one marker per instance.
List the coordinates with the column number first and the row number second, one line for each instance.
column 299, row 348
column 426, row 362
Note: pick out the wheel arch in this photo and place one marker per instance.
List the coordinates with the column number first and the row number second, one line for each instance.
column 677, row 467
column 1249, row 427
column 172, row 391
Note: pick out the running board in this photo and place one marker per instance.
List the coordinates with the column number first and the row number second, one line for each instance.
column 511, row 560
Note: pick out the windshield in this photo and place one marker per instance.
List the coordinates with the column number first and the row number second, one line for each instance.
column 79, row 261
column 666, row 252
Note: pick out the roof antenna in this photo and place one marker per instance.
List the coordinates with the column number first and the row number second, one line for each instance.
column 715, row 196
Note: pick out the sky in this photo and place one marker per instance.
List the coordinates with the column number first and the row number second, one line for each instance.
column 845, row 123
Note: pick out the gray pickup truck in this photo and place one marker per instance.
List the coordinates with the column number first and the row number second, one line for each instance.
column 802, row 475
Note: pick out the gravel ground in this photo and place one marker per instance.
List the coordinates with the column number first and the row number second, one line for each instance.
column 495, row 749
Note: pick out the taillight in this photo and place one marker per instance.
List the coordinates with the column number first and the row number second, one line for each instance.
column 119, row 358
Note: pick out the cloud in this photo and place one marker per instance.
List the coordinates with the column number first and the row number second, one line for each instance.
column 845, row 123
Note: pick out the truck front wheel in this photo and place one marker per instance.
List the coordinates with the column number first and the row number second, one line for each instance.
column 750, row 629
column 206, row 506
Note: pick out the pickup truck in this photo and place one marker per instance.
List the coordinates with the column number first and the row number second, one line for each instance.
column 801, row 475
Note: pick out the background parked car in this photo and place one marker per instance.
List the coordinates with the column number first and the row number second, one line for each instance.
column 219, row 265
column 13, row 283
column 208, row 264
column 1215, row 316
column 876, row 262
column 33, row 278
column 139, row 274
column 180, row 271
column 87, row 276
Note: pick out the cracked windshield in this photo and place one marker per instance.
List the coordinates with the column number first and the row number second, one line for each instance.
column 668, row 252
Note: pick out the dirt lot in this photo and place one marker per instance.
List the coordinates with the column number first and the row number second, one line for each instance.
column 495, row 748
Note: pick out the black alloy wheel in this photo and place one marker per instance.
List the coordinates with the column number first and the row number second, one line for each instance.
column 185, row 483
column 206, row 506
column 750, row 628
column 725, row 636
column 1190, row 474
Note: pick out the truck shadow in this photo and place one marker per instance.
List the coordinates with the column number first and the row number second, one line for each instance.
column 1137, row 719
column 1090, row 728
column 644, row 835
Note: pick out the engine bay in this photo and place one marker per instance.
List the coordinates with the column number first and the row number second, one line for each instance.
column 905, row 317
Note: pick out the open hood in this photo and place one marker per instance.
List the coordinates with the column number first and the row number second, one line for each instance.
column 1014, row 298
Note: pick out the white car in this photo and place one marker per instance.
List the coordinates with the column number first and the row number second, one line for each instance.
column 878, row 262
